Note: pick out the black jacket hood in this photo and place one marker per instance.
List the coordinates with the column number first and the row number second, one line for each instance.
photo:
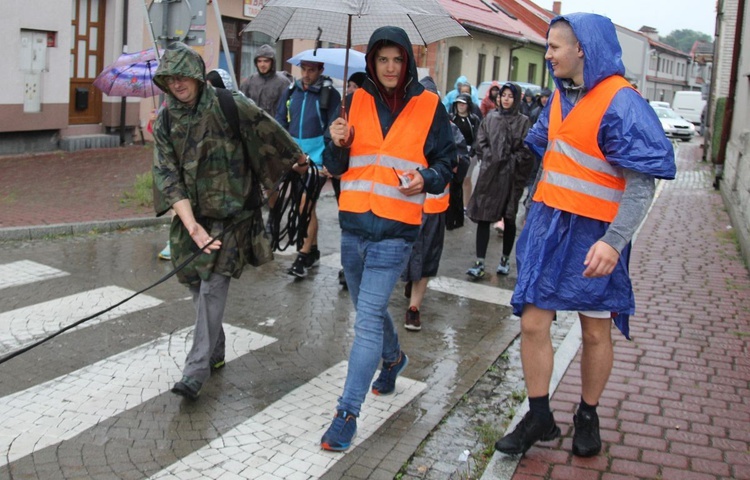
column 398, row 36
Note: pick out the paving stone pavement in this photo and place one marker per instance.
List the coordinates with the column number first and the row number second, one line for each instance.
column 677, row 405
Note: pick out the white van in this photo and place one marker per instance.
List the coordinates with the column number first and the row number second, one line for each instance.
column 689, row 105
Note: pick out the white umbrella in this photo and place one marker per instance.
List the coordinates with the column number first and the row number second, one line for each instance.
column 333, row 59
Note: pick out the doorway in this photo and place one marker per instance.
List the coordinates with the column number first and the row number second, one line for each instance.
column 86, row 52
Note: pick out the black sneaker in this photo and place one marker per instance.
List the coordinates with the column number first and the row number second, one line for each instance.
column 312, row 259
column 386, row 381
column 340, row 434
column 298, row 268
column 188, row 387
column 412, row 321
column 342, row 279
column 528, row 431
column 586, row 439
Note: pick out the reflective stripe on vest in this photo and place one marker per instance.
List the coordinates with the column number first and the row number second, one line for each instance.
column 438, row 203
column 577, row 177
column 370, row 183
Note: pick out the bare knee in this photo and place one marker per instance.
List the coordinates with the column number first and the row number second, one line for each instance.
column 536, row 322
column 596, row 332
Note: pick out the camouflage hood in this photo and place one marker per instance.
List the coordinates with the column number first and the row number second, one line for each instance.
column 180, row 59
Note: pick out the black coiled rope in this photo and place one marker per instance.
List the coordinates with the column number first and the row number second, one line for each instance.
column 290, row 215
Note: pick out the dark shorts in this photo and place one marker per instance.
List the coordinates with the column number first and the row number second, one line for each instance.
column 428, row 247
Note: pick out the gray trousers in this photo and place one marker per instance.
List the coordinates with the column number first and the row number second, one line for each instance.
column 209, row 300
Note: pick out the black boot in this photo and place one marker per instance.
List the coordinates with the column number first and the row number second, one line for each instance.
column 528, row 431
column 586, row 439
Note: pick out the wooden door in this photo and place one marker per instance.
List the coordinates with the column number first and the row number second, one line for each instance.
column 86, row 52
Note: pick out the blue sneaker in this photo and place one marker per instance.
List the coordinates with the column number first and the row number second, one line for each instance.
column 386, row 381
column 340, row 434
column 166, row 254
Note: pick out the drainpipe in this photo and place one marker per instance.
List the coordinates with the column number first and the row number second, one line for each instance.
column 729, row 112
column 522, row 42
column 123, row 100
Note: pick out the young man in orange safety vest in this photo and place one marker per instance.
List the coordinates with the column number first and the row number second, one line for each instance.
column 399, row 149
column 602, row 148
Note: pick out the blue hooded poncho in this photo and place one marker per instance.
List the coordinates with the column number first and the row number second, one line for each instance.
column 450, row 97
column 553, row 244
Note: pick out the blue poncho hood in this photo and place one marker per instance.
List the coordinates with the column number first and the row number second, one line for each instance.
column 598, row 39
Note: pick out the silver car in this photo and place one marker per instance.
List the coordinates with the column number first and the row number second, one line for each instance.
column 674, row 125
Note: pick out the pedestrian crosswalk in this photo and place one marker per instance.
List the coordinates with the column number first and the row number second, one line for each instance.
column 280, row 441
column 268, row 444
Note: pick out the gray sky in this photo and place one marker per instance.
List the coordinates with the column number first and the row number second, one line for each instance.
column 664, row 15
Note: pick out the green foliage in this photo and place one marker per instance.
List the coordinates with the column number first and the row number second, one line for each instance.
column 684, row 39
column 718, row 125
column 141, row 194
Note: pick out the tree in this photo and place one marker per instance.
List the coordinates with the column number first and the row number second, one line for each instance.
column 684, row 39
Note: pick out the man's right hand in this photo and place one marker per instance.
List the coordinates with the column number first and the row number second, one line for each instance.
column 339, row 130
column 202, row 238
column 199, row 235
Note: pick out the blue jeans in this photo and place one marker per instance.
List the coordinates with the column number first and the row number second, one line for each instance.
column 372, row 270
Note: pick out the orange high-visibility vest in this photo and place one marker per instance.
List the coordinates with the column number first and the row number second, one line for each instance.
column 437, row 203
column 370, row 183
column 576, row 177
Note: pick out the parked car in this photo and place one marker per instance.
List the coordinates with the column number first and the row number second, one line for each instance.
column 656, row 103
column 674, row 125
column 484, row 86
column 689, row 105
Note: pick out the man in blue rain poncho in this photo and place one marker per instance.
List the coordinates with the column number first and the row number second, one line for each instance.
column 602, row 148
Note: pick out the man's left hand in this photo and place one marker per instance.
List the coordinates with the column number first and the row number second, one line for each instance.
column 601, row 260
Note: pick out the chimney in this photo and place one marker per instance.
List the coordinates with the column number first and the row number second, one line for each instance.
column 650, row 32
column 557, row 8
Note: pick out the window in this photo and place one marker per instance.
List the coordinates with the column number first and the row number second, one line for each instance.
column 514, row 70
column 495, row 68
column 480, row 68
column 531, row 78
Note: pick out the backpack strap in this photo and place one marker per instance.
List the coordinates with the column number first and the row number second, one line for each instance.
column 229, row 109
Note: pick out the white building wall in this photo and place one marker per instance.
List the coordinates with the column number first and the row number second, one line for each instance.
column 41, row 15
column 726, row 44
column 735, row 185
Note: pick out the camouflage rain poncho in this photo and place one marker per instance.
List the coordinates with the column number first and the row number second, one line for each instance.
column 196, row 158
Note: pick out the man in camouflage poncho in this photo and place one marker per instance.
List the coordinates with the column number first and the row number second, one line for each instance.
column 201, row 172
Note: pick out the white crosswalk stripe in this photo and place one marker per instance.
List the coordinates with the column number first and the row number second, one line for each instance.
column 20, row 326
column 24, row 272
column 463, row 288
column 62, row 408
column 283, row 441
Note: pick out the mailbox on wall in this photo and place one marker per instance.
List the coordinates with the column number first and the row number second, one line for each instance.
column 82, row 98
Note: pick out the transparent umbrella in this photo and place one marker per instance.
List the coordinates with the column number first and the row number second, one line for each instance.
column 334, row 61
column 351, row 22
